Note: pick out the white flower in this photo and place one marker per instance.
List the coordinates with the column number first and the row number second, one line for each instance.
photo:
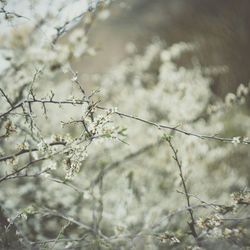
column 86, row 195
column 104, row 14
column 242, row 90
column 236, row 140
column 230, row 99
column 130, row 48
column 165, row 56
column 74, row 78
column 52, row 165
column 24, row 216
column 91, row 52
column 45, row 175
column 84, row 107
column 76, row 36
column 43, row 147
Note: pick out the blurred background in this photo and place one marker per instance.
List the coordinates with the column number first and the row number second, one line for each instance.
column 221, row 29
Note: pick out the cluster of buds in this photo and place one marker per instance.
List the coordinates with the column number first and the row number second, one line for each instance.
column 9, row 128
column 210, row 222
column 233, row 232
column 239, row 97
column 76, row 154
column 242, row 197
column 230, row 99
column 167, row 237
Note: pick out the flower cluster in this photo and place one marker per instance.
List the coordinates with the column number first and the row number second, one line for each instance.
column 210, row 222
column 168, row 237
column 75, row 155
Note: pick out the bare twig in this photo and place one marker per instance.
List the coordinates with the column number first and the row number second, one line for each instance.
column 159, row 126
column 181, row 131
column 8, row 14
column 48, row 212
column 6, row 97
column 117, row 163
column 25, row 151
column 16, row 172
column 192, row 223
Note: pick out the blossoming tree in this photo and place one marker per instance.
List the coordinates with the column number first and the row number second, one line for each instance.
column 144, row 156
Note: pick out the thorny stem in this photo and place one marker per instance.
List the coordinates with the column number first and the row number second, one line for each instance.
column 121, row 114
column 181, row 131
column 24, row 151
column 190, row 210
column 11, row 175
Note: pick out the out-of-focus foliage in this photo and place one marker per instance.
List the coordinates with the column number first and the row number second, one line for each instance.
column 144, row 156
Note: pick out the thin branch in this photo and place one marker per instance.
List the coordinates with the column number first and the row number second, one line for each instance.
column 159, row 126
column 6, row 97
column 117, row 163
column 60, row 233
column 15, row 174
column 9, row 14
column 181, row 131
column 48, row 212
column 177, row 212
column 66, row 240
column 68, row 25
column 190, row 210
column 66, row 183
column 25, row 151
